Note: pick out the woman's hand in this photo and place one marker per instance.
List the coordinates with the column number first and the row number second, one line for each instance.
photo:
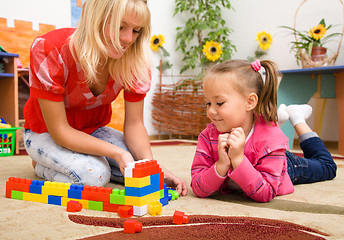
column 224, row 163
column 176, row 183
column 236, row 143
column 123, row 158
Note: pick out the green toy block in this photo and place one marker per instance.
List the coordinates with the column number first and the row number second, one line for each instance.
column 94, row 205
column 17, row 195
column 117, row 196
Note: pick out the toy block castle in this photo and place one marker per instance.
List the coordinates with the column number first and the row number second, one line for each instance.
column 144, row 191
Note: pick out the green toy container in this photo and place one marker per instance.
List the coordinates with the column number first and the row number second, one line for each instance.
column 7, row 141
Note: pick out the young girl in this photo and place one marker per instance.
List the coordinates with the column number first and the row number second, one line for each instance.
column 243, row 147
column 75, row 74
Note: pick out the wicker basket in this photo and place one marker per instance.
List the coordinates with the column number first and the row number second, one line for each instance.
column 179, row 109
column 306, row 60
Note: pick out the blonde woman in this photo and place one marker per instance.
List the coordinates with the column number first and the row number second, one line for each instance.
column 75, row 74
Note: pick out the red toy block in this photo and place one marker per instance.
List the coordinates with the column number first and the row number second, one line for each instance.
column 125, row 211
column 17, row 184
column 180, row 218
column 146, row 168
column 110, row 207
column 161, row 179
column 132, row 226
column 99, row 194
column 74, row 206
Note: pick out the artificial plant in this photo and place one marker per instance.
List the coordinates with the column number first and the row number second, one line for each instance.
column 205, row 24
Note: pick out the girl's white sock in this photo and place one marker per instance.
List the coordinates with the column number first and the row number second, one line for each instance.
column 282, row 114
column 298, row 113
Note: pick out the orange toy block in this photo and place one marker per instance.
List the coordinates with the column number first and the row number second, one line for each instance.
column 180, row 218
column 94, row 193
column 74, row 206
column 132, row 226
column 125, row 211
column 17, row 184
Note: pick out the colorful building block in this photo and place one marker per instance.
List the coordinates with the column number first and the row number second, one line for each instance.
column 180, row 218
column 56, row 188
column 144, row 192
column 125, row 211
column 154, row 208
column 94, row 193
column 137, row 182
column 17, row 195
column 36, row 186
column 56, row 200
column 132, row 226
column 84, row 203
column 75, row 191
column 17, row 184
column 117, row 196
column 33, row 197
column 95, row 205
column 140, row 210
column 110, row 207
column 74, row 206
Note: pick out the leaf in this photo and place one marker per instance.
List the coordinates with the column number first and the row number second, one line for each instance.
column 165, row 53
column 323, row 22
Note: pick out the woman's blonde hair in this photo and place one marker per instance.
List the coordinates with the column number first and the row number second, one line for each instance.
column 246, row 80
column 88, row 48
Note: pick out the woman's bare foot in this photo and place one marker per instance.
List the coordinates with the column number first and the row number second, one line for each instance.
column 34, row 163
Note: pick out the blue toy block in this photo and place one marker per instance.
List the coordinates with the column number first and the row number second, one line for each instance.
column 75, row 191
column 164, row 201
column 36, row 186
column 174, row 194
column 56, row 200
column 165, row 190
column 143, row 191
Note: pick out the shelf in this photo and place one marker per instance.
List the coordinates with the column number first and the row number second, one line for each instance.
column 5, row 54
column 2, row 75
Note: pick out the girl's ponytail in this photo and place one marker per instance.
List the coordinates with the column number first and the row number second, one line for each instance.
column 267, row 99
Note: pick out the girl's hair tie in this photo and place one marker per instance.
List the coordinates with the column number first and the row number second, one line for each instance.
column 256, row 65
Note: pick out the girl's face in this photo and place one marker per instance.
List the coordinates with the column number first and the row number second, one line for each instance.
column 226, row 107
column 129, row 32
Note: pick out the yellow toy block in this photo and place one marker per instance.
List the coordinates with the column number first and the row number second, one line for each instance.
column 137, row 182
column 34, row 197
column 65, row 200
column 56, row 189
column 140, row 201
column 154, row 208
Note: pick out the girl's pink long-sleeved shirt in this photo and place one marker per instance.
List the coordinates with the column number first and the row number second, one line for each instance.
column 262, row 174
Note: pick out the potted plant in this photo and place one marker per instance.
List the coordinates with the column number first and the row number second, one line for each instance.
column 311, row 43
column 204, row 38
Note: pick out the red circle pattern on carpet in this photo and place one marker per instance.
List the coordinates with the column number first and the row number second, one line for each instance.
column 203, row 227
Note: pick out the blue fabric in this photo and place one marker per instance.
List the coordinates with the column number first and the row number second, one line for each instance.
column 58, row 164
column 316, row 165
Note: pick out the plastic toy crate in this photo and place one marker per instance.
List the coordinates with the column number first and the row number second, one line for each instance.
column 7, row 141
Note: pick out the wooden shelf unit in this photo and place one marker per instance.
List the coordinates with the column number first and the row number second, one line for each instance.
column 9, row 91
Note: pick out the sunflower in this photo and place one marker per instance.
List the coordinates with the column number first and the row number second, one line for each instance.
column 212, row 50
column 264, row 40
column 156, row 42
column 317, row 32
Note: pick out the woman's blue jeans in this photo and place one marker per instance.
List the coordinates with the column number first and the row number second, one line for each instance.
column 316, row 165
column 58, row 164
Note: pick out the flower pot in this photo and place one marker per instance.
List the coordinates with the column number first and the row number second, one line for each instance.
column 318, row 54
